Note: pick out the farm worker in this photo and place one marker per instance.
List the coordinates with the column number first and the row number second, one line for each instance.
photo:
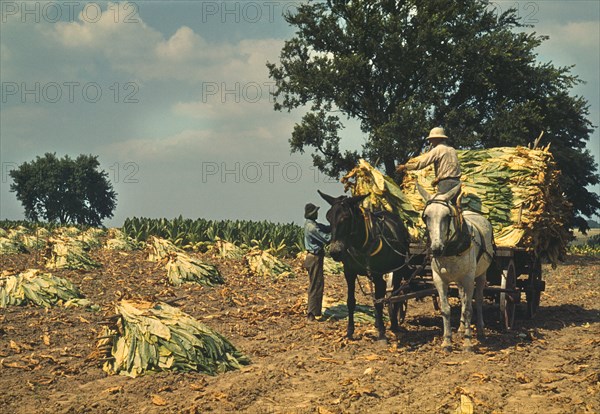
column 316, row 236
column 444, row 160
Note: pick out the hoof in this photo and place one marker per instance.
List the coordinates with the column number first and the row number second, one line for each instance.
column 382, row 342
column 447, row 349
column 468, row 349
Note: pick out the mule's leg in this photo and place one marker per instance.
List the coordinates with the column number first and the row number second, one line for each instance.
column 466, row 298
column 393, row 308
column 350, row 303
column 479, row 286
column 442, row 289
column 380, row 287
column 461, row 296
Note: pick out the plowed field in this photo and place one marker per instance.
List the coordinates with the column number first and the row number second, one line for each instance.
column 550, row 364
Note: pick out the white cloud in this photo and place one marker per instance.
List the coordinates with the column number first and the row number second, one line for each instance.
column 180, row 46
column 194, row 144
column 141, row 50
column 572, row 37
column 580, row 34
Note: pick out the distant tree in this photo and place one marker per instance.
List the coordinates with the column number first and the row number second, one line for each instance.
column 64, row 190
column 403, row 67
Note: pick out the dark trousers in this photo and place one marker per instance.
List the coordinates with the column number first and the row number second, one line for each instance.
column 316, row 282
column 448, row 184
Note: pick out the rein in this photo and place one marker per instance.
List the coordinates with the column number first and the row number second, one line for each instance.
column 457, row 221
column 405, row 282
column 370, row 235
column 367, row 220
column 459, row 225
column 407, row 258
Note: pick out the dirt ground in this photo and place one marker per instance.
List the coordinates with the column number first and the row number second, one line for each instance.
column 550, row 364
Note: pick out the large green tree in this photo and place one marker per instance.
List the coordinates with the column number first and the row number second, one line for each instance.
column 64, row 190
column 401, row 67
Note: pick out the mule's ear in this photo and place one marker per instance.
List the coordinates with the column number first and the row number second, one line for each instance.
column 330, row 199
column 357, row 199
column 426, row 196
column 450, row 194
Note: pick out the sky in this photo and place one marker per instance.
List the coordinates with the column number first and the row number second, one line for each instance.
column 173, row 97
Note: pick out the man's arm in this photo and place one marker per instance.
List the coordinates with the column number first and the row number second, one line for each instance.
column 322, row 233
column 423, row 160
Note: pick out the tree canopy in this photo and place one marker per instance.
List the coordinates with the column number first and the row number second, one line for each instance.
column 403, row 67
column 64, row 190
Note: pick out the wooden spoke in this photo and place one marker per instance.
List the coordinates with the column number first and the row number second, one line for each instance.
column 508, row 298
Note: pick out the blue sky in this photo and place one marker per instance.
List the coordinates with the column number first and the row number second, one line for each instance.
column 174, row 99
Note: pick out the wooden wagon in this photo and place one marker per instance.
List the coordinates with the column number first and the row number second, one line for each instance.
column 514, row 272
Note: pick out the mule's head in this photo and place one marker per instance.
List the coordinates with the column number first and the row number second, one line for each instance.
column 438, row 216
column 343, row 217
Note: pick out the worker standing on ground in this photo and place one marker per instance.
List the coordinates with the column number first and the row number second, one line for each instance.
column 316, row 236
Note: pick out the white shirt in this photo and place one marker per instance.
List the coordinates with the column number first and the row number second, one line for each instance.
column 444, row 160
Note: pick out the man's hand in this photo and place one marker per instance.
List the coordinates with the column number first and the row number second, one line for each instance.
column 401, row 168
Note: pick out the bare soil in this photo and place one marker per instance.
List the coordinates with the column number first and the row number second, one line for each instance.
column 549, row 364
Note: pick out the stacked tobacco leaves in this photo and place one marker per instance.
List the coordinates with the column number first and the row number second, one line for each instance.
column 228, row 250
column 180, row 266
column 384, row 194
column 39, row 288
column 263, row 263
column 184, row 268
column 516, row 188
column 145, row 336
column 69, row 252
column 117, row 240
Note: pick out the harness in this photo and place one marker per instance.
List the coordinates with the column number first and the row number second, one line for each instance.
column 459, row 242
column 374, row 240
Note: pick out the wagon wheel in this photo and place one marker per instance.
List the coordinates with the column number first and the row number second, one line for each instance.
column 535, row 287
column 436, row 302
column 402, row 308
column 508, row 299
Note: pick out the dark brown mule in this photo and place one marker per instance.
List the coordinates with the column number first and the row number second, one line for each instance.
column 369, row 244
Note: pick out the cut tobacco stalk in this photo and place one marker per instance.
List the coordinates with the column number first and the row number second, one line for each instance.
column 155, row 337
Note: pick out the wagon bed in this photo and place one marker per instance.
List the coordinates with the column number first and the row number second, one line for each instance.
column 513, row 271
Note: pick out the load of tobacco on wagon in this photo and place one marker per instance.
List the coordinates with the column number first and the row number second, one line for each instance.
column 515, row 188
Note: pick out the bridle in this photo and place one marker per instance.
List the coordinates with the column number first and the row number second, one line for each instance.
column 366, row 217
column 455, row 217
column 369, row 226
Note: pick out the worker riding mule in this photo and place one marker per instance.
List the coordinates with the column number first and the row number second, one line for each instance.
column 369, row 244
column 462, row 249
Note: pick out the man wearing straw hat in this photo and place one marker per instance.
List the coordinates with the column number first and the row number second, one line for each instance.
column 444, row 160
column 316, row 236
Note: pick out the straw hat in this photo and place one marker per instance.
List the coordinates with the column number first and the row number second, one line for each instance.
column 310, row 211
column 437, row 132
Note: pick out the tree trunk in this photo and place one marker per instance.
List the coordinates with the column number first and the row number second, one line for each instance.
column 390, row 166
